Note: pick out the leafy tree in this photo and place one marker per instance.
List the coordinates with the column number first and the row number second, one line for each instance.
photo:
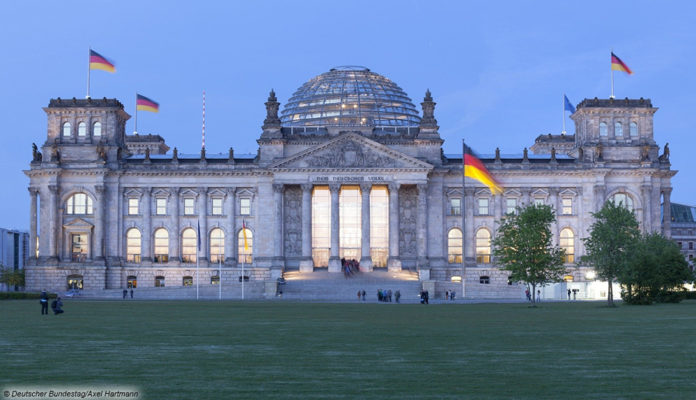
column 11, row 277
column 655, row 272
column 523, row 246
column 612, row 235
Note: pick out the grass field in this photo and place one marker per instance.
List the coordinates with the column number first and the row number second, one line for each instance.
column 229, row 350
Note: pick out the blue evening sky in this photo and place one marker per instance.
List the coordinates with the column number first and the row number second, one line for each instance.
column 497, row 70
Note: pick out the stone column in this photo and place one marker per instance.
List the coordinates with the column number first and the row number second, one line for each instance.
column 646, row 192
column 231, row 238
column 498, row 215
column 468, row 228
column 33, row 192
column 553, row 202
column 174, row 239
column 203, row 218
column 278, row 190
column 666, row 212
column 599, row 193
column 526, row 196
column 334, row 259
column 307, row 263
column 53, row 230
column 98, row 240
column 422, row 226
column 147, row 233
column 365, row 257
column 394, row 262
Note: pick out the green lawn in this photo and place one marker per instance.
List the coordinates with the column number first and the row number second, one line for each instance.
column 226, row 350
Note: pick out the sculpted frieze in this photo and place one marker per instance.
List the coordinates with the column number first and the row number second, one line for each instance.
column 351, row 154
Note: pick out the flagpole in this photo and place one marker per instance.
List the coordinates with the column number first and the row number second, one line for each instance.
column 89, row 56
column 564, row 130
column 135, row 131
column 463, row 215
column 220, row 276
column 612, row 77
column 198, row 256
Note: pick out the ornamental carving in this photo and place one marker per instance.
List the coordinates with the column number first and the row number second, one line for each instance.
column 351, row 155
column 408, row 208
column 292, row 221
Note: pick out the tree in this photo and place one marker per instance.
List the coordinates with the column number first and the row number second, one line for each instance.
column 655, row 272
column 612, row 235
column 11, row 277
column 523, row 246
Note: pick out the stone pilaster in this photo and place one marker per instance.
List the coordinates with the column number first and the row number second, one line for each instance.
column 230, row 227
column 468, row 228
column 599, row 194
column 553, row 202
column 307, row 263
column 278, row 190
column 203, row 218
column 334, row 259
column 365, row 257
column 174, row 239
column 394, row 262
column 99, row 228
column 146, row 213
column 666, row 212
column 53, row 222
column 33, row 192
column 422, row 226
column 646, row 192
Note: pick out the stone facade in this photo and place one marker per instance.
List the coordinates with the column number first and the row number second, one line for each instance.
column 104, row 214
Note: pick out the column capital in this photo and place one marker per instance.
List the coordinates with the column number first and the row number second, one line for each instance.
column 53, row 188
column 469, row 191
column 394, row 186
column 99, row 188
column 33, row 190
column 202, row 190
column 175, row 190
column 666, row 191
column 365, row 187
column 307, row 187
column 422, row 188
column 231, row 190
column 278, row 187
column 334, row 187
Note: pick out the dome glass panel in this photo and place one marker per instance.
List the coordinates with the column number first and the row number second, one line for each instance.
column 350, row 96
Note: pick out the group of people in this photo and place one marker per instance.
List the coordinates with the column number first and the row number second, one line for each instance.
column 56, row 304
column 125, row 293
column 449, row 295
column 386, row 295
column 349, row 267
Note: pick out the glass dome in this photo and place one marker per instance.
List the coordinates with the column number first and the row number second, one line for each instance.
column 349, row 96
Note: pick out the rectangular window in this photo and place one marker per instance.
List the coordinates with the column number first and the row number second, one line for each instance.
column 161, row 206
column 482, row 206
column 188, row 206
column 691, row 245
column 455, row 206
column 217, row 206
column 510, row 206
column 567, row 206
column 244, row 206
column 79, row 247
column 133, row 206
column 538, row 201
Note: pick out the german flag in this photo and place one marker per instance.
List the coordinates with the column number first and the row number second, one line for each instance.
column 142, row 103
column 97, row 61
column 474, row 169
column 618, row 65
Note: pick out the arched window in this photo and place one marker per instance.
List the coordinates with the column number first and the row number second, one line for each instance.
column 567, row 243
column 217, row 246
column 79, row 204
column 618, row 129
column 623, row 199
column 603, row 129
column 633, row 129
column 483, row 246
column 454, row 246
column 245, row 254
column 133, row 245
column 161, row 245
column 132, row 282
column 188, row 245
column 82, row 129
column 75, row 282
column 97, row 129
column 187, row 281
column 67, row 129
column 159, row 281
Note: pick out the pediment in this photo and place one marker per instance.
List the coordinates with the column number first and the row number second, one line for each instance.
column 78, row 223
column 351, row 150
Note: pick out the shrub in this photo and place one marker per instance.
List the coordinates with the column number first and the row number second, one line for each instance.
column 23, row 295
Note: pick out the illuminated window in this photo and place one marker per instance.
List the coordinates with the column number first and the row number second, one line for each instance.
column 245, row 252
column 454, row 246
column 455, row 206
column 67, row 129
column 350, row 225
column 217, row 206
column 483, row 246
column 379, row 225
column 217, row 246
column 133, row 245
column 133, row 206
column 622, row 199
column 97, row 129
column 79, row 247
column 215, row 280
column 188, row 206
column 482, row 206
column 161, row 245
column 539, row 201
column 79, row 204
column 510, row 206
column 75, row 282
column 131, row 281
column 567, row 206
column 188, row 245
column 633, row 127
column 187, row 281
column 567, row 243
column 161, row 206
column 244, row 206
column 159, row 281
column 321, row 225
column 82, row 129
column 618, row 129
column 603, row 129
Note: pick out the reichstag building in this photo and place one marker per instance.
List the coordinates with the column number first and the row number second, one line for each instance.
column 349, row 169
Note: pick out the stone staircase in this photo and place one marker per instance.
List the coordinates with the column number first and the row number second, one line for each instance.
column 321, row 285
column 252, row 290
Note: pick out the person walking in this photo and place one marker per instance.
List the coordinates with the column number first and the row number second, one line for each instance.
column 363, row 294
column 125, row 293
column 131, row 293
column 397, row 295
column 568, row 294
column 44, row 302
